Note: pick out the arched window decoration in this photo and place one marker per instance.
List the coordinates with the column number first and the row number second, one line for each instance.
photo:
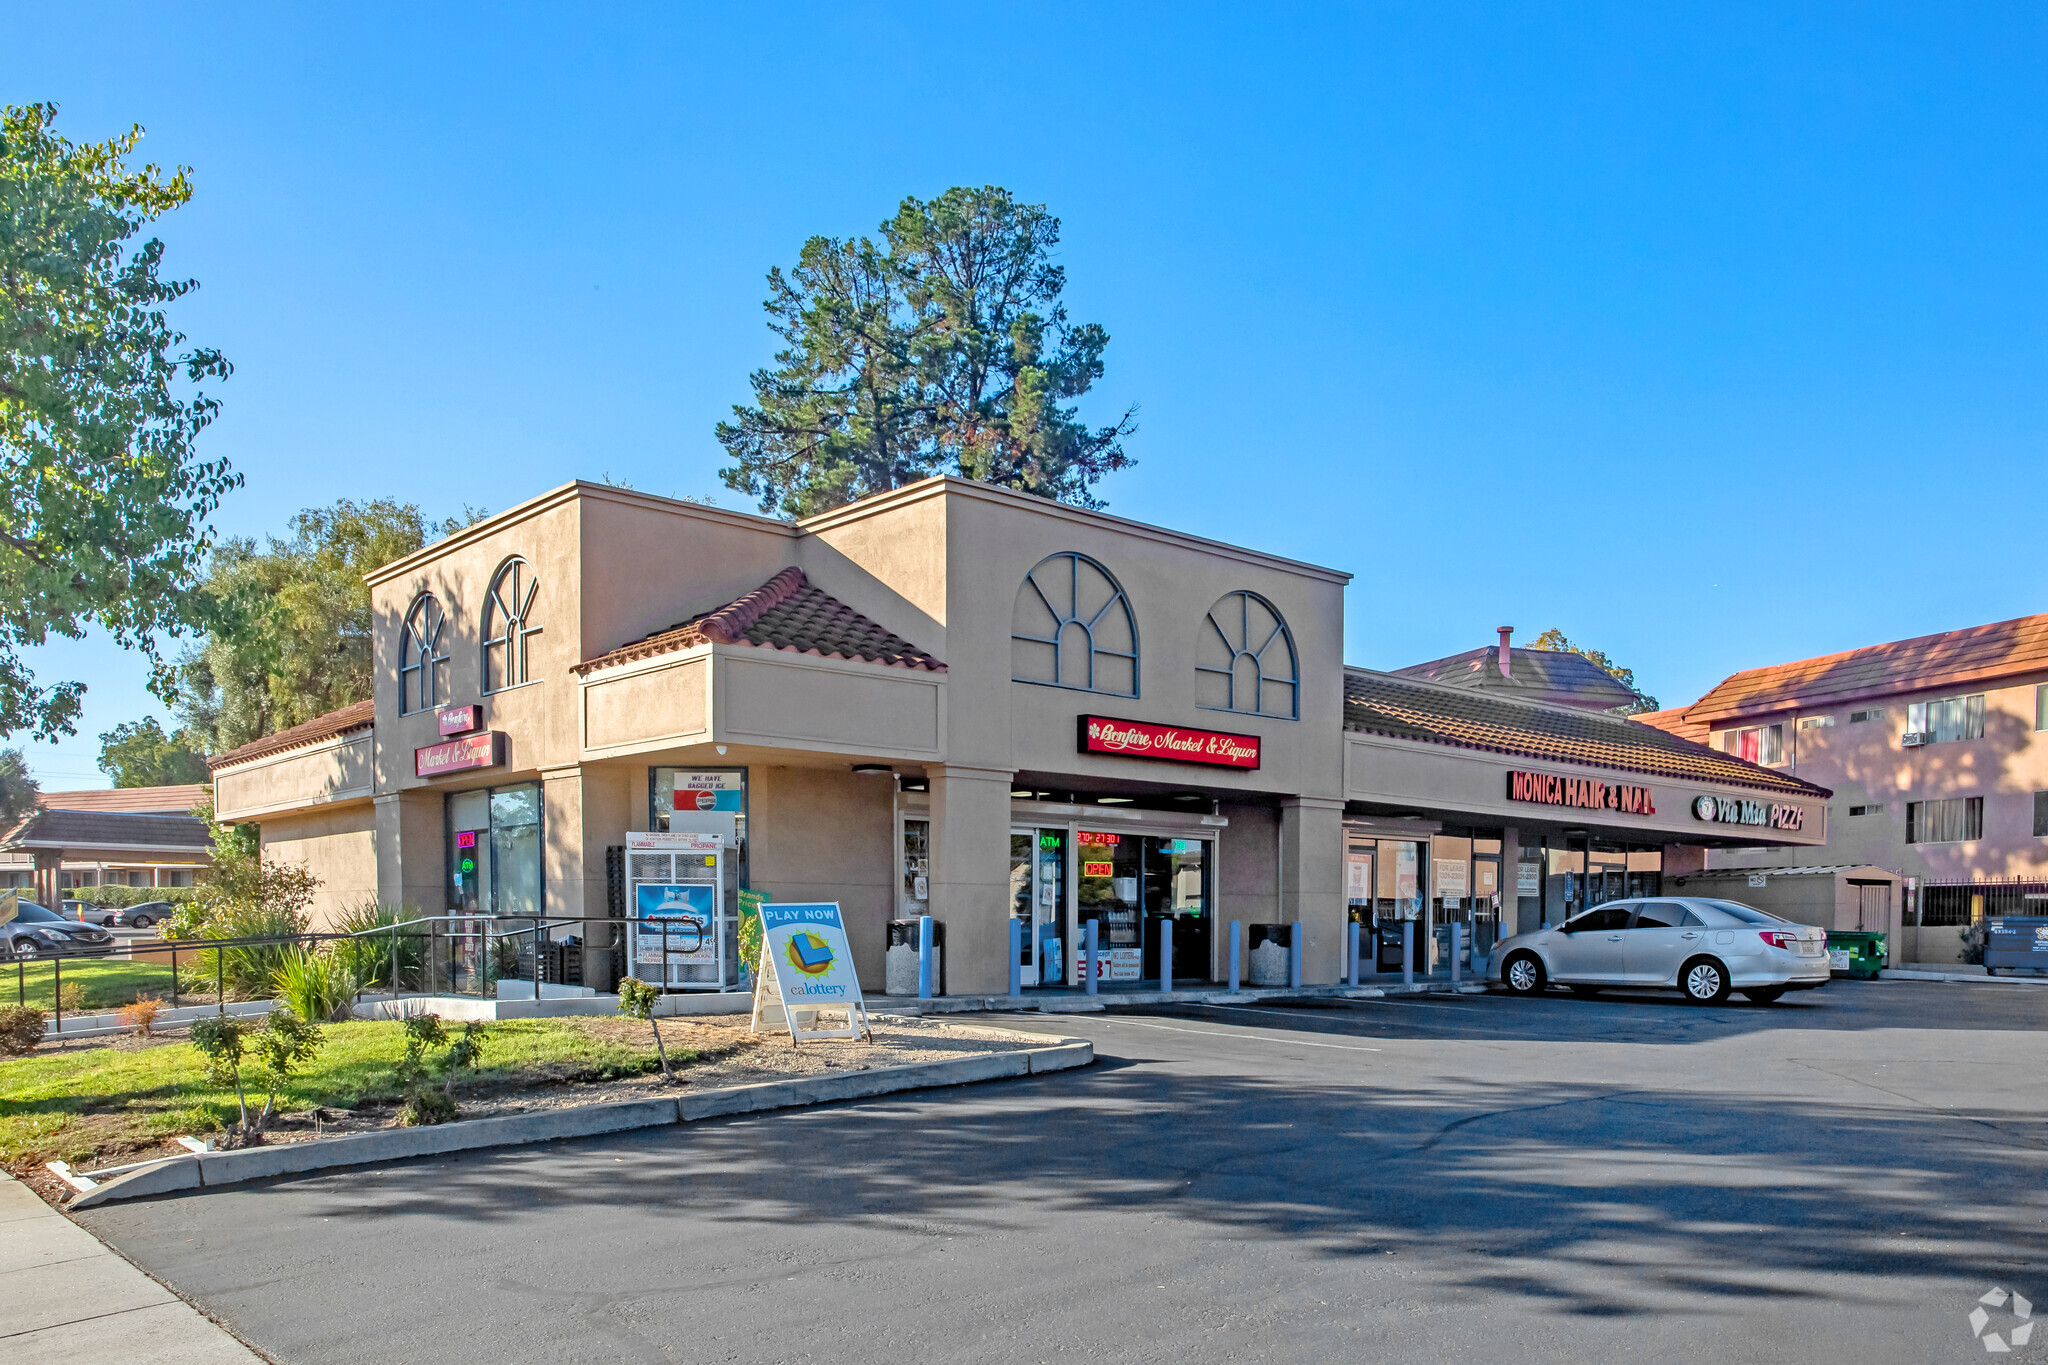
column 1072, row 627
column 422, row 663
column 509, row 627
column 1247, row 660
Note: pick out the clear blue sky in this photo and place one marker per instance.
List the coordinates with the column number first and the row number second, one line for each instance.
column 1715, row 339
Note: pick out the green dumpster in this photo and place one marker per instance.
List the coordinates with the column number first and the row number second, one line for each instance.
column 1857, row 953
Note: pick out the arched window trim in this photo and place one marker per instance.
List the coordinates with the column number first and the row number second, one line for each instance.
column 1241, row 649
column 1071, row 616
column 420, row 656
column 510, row 616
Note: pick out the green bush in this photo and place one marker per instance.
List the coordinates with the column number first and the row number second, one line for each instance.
column 275, row 907
column 117, row 897
column 369, row 957
column 21, row 1028
column 317, row 983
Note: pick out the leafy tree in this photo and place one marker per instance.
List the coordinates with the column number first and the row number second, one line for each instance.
column 17, row 788
column 1554, row 639
column 637, row 1000
column 945, row 348
column 137, row 753
column 103, row 501
column 295, row 638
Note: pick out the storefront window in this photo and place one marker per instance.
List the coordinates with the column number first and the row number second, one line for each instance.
column 702, row 801
column 1176, row 889
column 515, row 850
column 1646, row 872
column 1111, row 863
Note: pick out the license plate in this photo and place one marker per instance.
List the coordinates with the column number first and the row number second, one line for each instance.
column 1808, row 948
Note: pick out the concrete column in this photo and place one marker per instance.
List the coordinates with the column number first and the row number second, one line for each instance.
column 1312, row 882
column 48, row 862
column 970, row 846
column 412, row 853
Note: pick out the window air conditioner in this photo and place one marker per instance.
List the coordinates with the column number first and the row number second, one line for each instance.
column 1912, row 739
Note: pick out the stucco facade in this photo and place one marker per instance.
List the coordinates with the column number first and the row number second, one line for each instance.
column 897, row 695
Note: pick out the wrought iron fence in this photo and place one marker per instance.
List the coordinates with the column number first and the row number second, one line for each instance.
column 1966, row 902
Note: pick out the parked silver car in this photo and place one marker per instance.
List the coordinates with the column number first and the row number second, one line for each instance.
column 1704, row 948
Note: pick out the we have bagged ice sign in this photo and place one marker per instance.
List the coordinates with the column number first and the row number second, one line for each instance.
column 807, row 965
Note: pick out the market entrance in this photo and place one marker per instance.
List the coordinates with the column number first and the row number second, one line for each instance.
column 1038, row 899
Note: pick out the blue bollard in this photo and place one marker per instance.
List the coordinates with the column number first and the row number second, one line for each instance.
column 1407, row 952
column 1016, row 953
column 1233, row 957
column 1351, row 953
column 1294, row 955
column 1457, row 946
column 1090, row 980
column 924, row 957
column 1166, row 955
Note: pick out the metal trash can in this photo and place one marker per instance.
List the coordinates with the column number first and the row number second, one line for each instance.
column 900, row 963
column 1271, row 950
column 1856, row 953
column 2016, row 943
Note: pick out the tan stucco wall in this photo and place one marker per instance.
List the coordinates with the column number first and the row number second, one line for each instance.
column 334, row 771
column 337, row 845
column 826, row 835
column 1865, row 764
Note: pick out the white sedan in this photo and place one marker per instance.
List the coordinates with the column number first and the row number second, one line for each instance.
column 1704, row 948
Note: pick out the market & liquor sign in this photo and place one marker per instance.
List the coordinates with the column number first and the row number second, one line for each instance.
column 1178, row 744
column 1586, row 793
column 486, row 750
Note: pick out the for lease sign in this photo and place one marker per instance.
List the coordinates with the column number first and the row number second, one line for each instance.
column 1176, row 743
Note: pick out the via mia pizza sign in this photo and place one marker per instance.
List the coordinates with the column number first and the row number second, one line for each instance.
column 1177, row 744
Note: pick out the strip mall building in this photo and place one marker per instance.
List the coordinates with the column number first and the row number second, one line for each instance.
column 955, row 700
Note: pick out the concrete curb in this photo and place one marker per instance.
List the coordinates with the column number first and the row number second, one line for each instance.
column 1974, row 978
column 214, row 1170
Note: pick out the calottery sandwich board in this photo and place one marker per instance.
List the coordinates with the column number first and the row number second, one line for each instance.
column 806, row 968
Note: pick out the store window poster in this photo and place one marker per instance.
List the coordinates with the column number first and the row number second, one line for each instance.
column 709, row 791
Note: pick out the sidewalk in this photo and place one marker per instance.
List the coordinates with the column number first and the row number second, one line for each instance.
column 64, row 1296
column 1126, row 995
column 1953, row 971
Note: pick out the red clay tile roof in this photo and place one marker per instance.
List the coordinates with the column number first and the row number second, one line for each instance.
column 1380, row 703
column 356, row 716
column 1930, row 661
column 786, row 612
column 1672, row 718
column 174, row 800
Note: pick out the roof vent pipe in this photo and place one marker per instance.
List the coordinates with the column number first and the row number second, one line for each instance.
column 1505, row 632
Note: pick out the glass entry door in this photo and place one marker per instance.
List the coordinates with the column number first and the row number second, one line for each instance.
column 1038, row 899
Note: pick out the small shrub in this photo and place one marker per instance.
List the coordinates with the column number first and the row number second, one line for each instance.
column 21, row 1028
column 369, row 956
column 140, row 1017
column 424, row 1105
column 636, row 1001
column 280, row 1046
column 276, row 908
column 1975, row 938
column 317, row 983
column 71, row 997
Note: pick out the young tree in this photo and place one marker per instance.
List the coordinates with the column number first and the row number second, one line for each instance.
column 103, row 501
column 282, row 1044
column 637, row 999
column 18, row 788
column 137, row 753
column 945, row 348
column 294, row 635
column 1554, row 639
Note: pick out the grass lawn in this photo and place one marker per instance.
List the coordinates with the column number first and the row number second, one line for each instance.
column 100, row 1103
column 105, row 984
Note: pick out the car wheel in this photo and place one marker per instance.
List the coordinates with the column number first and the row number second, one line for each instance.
column 142, row 921
column 1768, row 996
column 25, row 948
column 1523, row 974
column 1704, row 981
column 1585, row 992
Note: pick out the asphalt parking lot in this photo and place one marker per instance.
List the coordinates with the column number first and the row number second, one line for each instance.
column 1837, row 1177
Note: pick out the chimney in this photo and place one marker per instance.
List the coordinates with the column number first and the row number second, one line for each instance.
column 1505, row 632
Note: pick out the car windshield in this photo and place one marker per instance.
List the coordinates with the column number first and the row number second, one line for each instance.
column 28, row 912
column 1747, row 914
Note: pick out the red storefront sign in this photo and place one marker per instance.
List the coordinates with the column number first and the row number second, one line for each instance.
column 1547, row 789
column 460, row 720
column 471, row 751
column 1142, row 739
